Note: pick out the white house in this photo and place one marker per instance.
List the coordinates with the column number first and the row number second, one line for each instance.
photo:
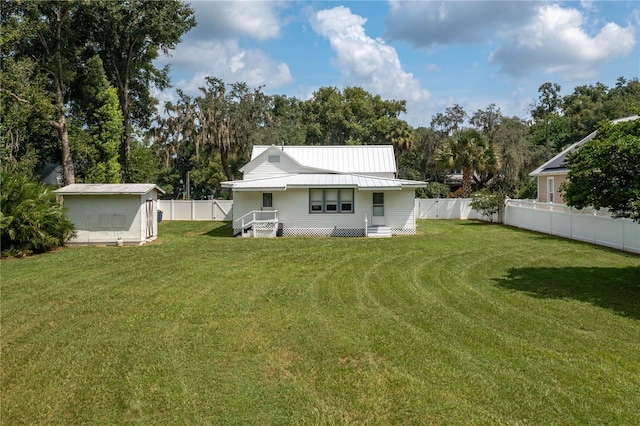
column 344, row 191
column 112, row 214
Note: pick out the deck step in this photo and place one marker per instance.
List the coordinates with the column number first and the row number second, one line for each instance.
column 379, row 232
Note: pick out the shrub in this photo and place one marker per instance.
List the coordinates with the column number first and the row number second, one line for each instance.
column 31, row 220
column 487, row 202
column 433, row 190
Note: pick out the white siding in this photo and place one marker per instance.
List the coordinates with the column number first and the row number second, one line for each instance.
column 400, row 209
column 293, row 209
column 104, row 219
column 265, row 169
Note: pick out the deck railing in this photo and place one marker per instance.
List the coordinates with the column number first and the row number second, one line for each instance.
column 260, row 221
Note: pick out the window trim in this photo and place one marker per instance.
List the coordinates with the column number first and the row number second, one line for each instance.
column 551, row 189
column 337, row 203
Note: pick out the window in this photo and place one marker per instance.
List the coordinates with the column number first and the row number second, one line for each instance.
column 331, row 200
column 267, row 200
column 550, row 189
column 316, row 199
column 273, row 159
column 346, row 200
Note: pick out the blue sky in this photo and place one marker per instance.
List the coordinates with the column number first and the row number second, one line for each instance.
column 433, row 54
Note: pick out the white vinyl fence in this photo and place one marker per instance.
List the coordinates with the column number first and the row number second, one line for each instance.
column 446, row 208
column 593, row 226
column 196, row 209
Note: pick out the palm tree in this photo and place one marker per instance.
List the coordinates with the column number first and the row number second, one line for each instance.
column 468, row 150
column 402, row 137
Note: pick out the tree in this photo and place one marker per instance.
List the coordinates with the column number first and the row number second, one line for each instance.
column 52, row 34
column 605, row 172
column 351, row 117
column 468, row 150
column 31, row 220
column 450, row 121
column 401, row 136
column 129, row 36
column 26, row 140
column 487, row 202
column 419, row 163
column 98, row 111
column 549, row 102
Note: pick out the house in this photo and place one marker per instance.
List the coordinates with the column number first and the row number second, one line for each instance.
column 112, row 214
column 346, row 191
column 554, row 172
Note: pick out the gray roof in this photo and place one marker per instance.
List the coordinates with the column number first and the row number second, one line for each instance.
column 108, row 189
column 319, row 180
column 558, row 165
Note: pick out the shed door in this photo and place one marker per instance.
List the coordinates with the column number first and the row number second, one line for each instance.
column 378, row 209
column 149, row 218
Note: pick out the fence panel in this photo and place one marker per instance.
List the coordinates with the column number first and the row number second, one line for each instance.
column 586, row 225
column 196, row 209
column 446, row 208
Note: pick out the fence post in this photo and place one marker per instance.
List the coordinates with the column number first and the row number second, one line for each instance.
column 172, row 210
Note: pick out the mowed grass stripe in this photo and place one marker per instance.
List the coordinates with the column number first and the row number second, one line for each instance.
column 462, row 323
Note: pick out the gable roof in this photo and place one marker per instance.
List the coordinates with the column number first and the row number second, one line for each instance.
column 319, row 180
column 108, row 189
column 558, row 165
column 355, row 159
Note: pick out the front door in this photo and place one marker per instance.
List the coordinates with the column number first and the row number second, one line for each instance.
column 378, row 209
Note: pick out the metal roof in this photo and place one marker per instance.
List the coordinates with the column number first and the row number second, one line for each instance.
column 108, row 189
column 282, row 183
column 558, row 165
column 358, row 159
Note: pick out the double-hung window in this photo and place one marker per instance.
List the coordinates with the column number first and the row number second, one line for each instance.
column 331, row 200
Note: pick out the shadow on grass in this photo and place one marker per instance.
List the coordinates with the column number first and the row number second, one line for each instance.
column 617, row 289
column 222, row 230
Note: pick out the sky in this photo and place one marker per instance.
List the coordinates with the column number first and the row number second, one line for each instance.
column 432, row 54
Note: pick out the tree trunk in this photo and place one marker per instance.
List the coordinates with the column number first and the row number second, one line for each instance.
column 466, row 182
column 125, row 145
column 68, row 171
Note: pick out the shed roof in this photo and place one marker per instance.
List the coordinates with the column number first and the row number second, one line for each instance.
column 358, row 159
column 108, row 189
column 558, row 165
column 320, row 180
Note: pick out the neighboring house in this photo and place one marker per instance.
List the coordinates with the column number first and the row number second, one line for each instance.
column 323, row 191
column 112, row 214
column 551, row 174
column 51, row 175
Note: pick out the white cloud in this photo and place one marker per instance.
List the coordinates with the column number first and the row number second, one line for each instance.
column 226, row 60
column 230, row 19
column 556, row 42
column 363, row 61
column 429, row 24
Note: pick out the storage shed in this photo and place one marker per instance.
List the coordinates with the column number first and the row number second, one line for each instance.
column 112, row 214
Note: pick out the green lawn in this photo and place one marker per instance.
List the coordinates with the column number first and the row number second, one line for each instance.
column 464, row 323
